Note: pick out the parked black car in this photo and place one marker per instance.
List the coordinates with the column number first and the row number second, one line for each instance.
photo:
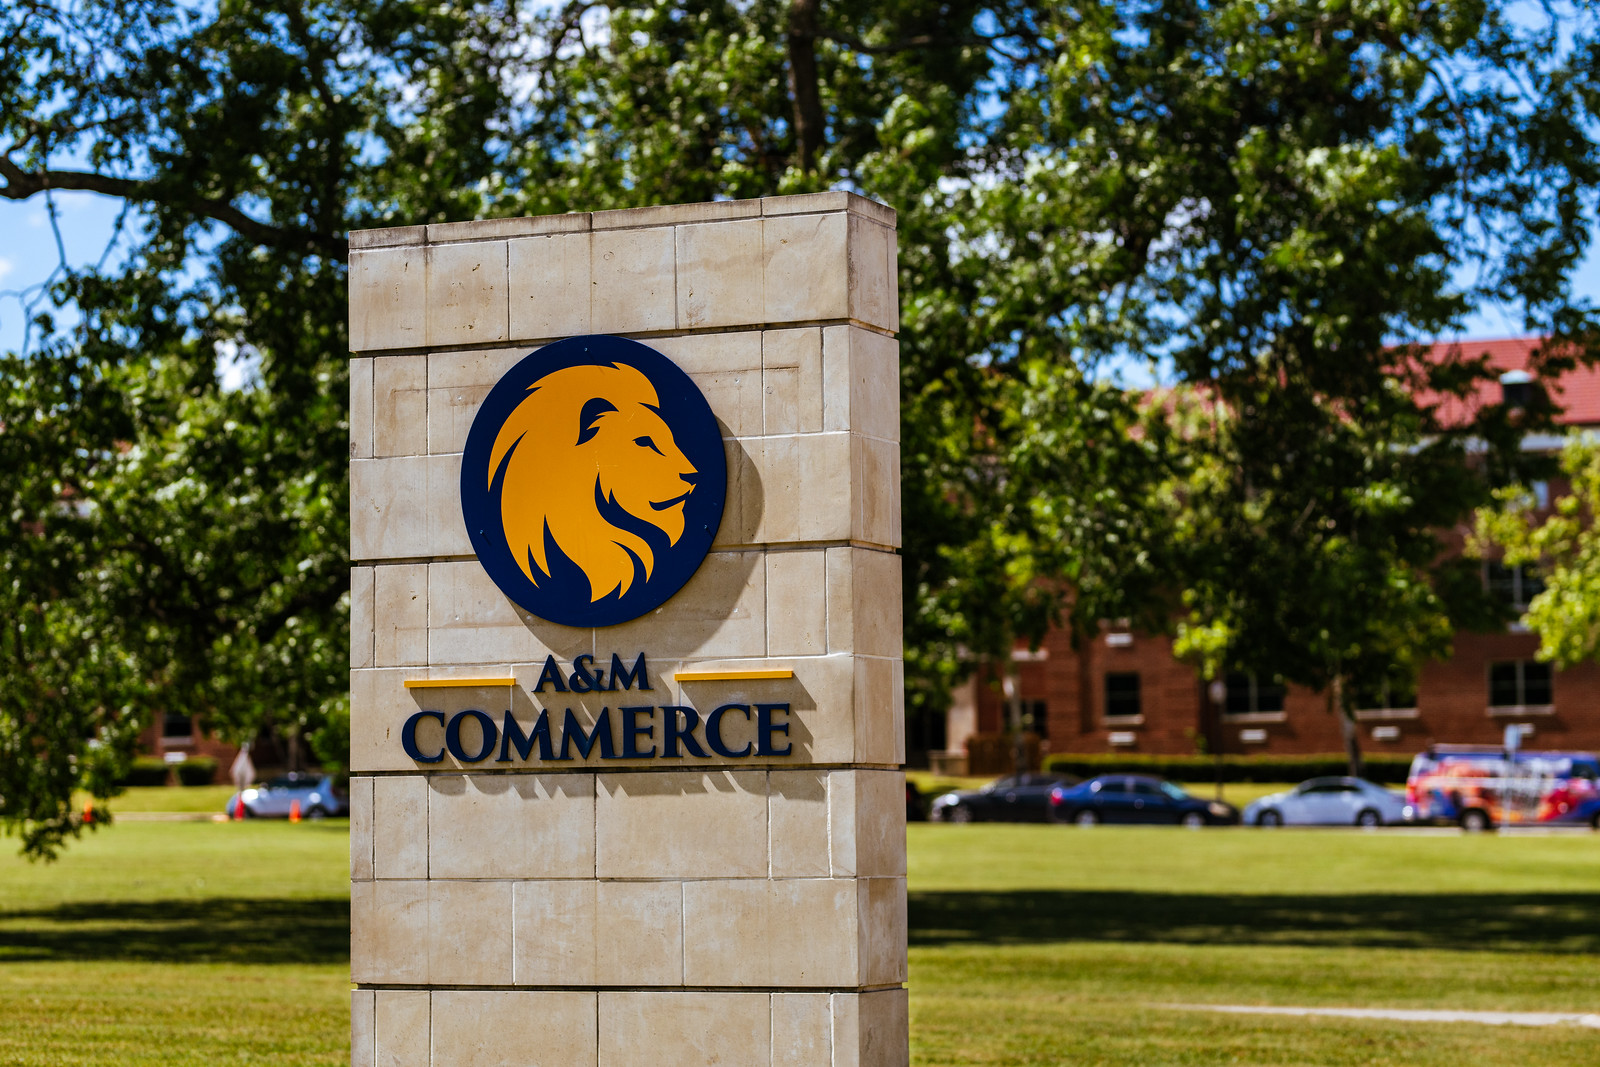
column 1135, row 798
column 1014, row 798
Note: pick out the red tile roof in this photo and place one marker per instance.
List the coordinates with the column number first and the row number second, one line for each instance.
column 1576, row 393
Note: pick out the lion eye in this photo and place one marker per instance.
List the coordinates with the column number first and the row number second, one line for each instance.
column 645, row 442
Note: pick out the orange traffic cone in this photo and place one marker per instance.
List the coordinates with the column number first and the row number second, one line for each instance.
column 294, row 811
column 88, row 812
column 238, row 809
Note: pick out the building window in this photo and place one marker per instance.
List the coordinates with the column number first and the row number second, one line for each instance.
column 1520, row 683
column 1036, row 717
column 1122, row 695
column 1514, row 586
column 176, row 726
column 1383, row 695
column 1249, row 695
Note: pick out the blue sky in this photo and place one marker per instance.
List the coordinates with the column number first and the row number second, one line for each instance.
column 87, row 221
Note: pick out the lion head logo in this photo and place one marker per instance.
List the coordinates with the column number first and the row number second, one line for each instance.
column 606, row 443
column 593, row 481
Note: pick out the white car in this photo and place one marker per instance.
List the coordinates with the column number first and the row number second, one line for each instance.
column 1328, row 802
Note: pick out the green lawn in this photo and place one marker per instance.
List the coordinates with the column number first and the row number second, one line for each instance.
column 1048, row 945
column 208, row 799
column 179, row 944
column 204, row 943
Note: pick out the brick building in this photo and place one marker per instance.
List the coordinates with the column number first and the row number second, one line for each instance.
column 1124, row 691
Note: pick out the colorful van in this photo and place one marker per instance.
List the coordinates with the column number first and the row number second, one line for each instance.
column 1479, row 786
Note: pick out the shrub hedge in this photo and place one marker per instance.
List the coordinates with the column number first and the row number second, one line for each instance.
column 197, row 770
column 1384, row 769
column 146, row 770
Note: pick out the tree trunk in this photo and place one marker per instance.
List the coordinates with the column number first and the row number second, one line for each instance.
column 1347, row 724
column 1013, row 691
column 803, row 89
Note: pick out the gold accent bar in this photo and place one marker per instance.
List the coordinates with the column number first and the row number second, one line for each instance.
column 455, row 683
column 730, row 676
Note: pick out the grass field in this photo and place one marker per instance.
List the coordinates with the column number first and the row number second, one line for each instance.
column 205, row 943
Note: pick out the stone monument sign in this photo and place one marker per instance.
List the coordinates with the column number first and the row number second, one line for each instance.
column 626, row 712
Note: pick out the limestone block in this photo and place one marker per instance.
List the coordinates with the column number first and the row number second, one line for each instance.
column 471, row 621
column 810, row 203
column 457, row 384
column 469, row 932
column 388, row 299
column 800, row 489
column 467, row 302
column 550, row 286
column 492, row 229
column 673, row 1029
column 402, row 1028
column 879, row 711
column 797, row 820
column 720, row 274
column 634, row 284
column 400, row 614
column 726, row 367
column 874, row 282
column 861, row 382
column 361, row 1024
column 864, row 601
column 554, row 924
column 867, row 817
column 511, row 826
column 361, row 408
column 882, row 911
column 681, row 824
column 803, row 256
column 392, row 510
column 361, row 621
column 820, row 697
column 792, row 371
column 871, row 1029
column 375, row 703
column 721, row 611
column 808, row 932
column 493, row 1028
column 875, row 464
column 400, row 405
column 643, row 940
column 360, row 829
column 386, row 236
column 400, row 827
column 389, row 932
column 802, row 1030
column 797, row 607
column 676, row 214
column 746, row 499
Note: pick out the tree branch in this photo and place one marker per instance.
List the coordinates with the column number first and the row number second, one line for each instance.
column 803, row 90
column 21, row 184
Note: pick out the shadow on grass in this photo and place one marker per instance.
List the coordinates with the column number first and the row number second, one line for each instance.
column 182, row 931
column 1499, row 922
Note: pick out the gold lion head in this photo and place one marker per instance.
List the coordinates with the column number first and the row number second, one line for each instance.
column 600, row 437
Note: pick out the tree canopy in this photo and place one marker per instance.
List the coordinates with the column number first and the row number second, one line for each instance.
column 1259, row 200
column 1562, row 541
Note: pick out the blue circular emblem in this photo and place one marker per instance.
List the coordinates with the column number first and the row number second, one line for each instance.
column 593, row 481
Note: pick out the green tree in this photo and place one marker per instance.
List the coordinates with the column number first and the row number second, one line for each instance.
column 1564, row 543
column 1259, row 200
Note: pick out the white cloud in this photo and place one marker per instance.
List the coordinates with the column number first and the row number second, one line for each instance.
column 6, row 267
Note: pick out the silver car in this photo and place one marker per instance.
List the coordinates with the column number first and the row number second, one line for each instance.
column 1328, row 802
column 317, row 795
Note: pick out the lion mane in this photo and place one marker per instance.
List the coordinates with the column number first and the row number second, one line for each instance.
column 583, row 437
